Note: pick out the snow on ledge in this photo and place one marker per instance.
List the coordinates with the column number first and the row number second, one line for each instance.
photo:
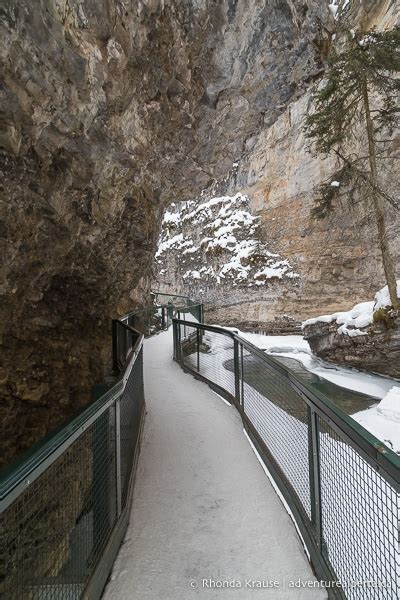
column 361, row 315
column 383, row 421
column 389, row 406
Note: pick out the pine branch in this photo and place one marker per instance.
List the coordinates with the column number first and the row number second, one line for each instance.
column 367, row 179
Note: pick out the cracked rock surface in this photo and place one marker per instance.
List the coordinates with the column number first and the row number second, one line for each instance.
column 110, row 109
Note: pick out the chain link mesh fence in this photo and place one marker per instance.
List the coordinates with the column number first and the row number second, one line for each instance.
column 360, row 519
column 60, row 508
column 342, row 485
column 153, row 319
column 56, row 522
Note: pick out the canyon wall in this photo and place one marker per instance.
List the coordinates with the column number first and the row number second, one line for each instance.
column 109, row 110
column 338, row 259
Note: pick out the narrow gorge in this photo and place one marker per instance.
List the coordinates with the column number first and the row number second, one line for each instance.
column 115, row 112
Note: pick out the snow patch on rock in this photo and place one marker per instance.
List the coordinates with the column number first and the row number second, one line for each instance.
column 338, row 8
column 222, row 233
column 360, row 316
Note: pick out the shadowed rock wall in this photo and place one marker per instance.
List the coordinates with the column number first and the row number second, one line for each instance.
column 109, row 109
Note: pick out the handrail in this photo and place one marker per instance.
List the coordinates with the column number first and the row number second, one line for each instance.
column 337, row 480
column 153, row 307
column 380, row 455
column 30, row 465
column 95, row 451
column 175, row 296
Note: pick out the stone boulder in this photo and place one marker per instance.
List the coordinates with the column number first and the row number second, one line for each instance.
column 377, row 350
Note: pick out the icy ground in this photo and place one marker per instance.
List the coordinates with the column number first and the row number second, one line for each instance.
column 203, row 509
column 360, row 508
column 383, row 421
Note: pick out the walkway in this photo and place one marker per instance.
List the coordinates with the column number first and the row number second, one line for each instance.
column 203, row 509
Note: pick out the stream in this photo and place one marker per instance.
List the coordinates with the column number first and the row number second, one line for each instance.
column 348, row 400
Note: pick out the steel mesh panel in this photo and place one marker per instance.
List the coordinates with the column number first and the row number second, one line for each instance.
column 171, row 298
column 190, row 314
column 360, row 509
column 131, row 405
column 279, row 415
column 360, row 521
column 54, row 533
column 153, row 319
column 209, row 354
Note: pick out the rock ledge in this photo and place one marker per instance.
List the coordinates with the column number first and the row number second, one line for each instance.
column 377, row 351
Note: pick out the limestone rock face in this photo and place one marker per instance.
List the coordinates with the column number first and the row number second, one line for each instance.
column 110, row 109
column 338, row 259
column 377, row 351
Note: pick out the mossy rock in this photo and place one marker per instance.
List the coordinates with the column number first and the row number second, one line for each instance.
column 383, row 316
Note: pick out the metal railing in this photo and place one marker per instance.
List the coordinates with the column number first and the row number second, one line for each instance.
column 64, row 507
column 165, row 298
column 159, row 317
column 341, row 484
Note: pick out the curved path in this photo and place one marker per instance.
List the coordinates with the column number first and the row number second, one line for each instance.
column 204, row 514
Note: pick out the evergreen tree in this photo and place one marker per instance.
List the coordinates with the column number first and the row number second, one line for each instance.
column 359, row 100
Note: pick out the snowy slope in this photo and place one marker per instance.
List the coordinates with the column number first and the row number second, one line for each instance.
column 213, row 241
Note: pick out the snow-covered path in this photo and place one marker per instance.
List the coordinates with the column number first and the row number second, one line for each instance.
column 203, row 509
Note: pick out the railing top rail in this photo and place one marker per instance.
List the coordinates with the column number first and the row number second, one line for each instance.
column 167, row 294
column 145, row 309
column 46, row 451
column 176, row 296
column 373, row 449
column 138, row 311
column 186, row 307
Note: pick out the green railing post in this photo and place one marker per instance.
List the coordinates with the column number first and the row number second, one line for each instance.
column 198, row 349
column 175, row 339
column 315, row 475
column 179, row 344
column 114, row 332
column 236, row 370
column 242, row 375
column 118, row 454
column 163, row 317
